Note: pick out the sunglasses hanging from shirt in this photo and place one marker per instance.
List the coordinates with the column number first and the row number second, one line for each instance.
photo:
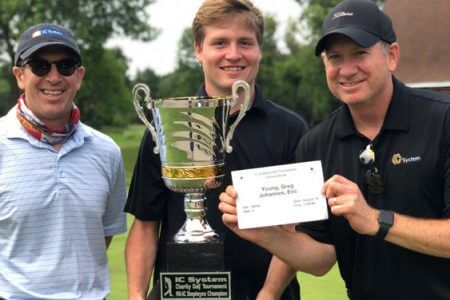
column 372, row 175
column 41, row 67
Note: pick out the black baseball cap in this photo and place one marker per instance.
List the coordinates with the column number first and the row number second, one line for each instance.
column 360, row 20
column 42, row 35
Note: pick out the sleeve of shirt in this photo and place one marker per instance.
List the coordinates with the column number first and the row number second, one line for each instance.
column 114, row 219
column 319, row 230
column 147, row 193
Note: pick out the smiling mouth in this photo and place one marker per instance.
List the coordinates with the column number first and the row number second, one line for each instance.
column 49, row 92
column 349, row 84
column 232, row 69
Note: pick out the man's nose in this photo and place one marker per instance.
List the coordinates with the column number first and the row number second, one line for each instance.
column 54, row 74
column 348, row 67
column 234, row 52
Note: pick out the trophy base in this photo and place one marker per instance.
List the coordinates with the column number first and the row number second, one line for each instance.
column 195, row 270
column 196, row 228
column 196, row 231
column 204, row 237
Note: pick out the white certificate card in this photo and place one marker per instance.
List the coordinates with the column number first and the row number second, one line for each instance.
column 276, row 195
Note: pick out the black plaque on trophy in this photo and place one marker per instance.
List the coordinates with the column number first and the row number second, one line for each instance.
column 195, row 270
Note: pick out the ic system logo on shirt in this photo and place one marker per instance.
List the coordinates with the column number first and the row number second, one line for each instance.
column 342, row 14
column 398, row 159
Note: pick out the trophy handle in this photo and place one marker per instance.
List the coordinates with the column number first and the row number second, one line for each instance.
column 243, row 109
column 140, row 110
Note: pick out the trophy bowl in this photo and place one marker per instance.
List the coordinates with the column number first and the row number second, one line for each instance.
column 192, row 136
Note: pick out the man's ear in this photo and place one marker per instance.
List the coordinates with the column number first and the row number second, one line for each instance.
column 393, row 56
column 198, row 52
column 80, row 75
column 19, row 74
column 323, row 57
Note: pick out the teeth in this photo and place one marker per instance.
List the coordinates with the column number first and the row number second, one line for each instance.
column 233, row 69
column 350, row 83
column 47, row 92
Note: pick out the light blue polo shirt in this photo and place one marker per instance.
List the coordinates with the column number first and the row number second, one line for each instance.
column 55, row 210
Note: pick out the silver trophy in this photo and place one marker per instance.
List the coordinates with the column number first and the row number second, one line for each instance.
column 191, row 137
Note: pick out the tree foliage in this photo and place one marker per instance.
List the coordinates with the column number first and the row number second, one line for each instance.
column 293, row 77
column 102, row 97
column 315, row 11
column 188, row 76
column 315, row 98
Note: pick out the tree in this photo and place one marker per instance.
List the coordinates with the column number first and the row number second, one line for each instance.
column 150, row 78
column 105, row 97
column 315, row 101
column 188, row 76
column 294, row 78
column 92, row 22
column 269, row 78
column 315, row 11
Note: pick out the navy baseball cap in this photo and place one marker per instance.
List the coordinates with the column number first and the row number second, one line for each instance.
column 360, row 20
column 42, row 35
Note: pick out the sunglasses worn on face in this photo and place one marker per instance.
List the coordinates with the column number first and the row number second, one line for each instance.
column 41, row 67
column 372, row 175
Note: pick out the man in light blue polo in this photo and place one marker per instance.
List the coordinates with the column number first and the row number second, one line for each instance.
column 62, row 183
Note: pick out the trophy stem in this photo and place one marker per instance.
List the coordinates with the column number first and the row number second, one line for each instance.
column 195, row 229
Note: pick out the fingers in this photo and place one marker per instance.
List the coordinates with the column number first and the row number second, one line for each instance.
column 227, row 206
column 345, row 199
column 229, row 211
column 333, row 189
column 337, row 205
column 229, row 196
column 231, row 191
column 339, row 209
column 338, row 185
column 332, row 201
column 229, row 219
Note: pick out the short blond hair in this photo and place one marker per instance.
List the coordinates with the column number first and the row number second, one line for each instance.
column 215, row 11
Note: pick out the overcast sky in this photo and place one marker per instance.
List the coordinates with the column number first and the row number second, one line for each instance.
column 172, row 17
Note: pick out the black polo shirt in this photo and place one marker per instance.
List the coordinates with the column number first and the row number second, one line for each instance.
column 267, row 135
column 412, row 152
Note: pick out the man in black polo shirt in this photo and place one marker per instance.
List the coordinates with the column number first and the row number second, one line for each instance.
column 386, row 158
column 228, row 37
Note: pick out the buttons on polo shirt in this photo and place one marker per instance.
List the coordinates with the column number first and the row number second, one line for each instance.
column 62, row 174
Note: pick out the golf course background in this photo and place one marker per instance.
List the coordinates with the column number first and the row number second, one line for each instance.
column 329, row 287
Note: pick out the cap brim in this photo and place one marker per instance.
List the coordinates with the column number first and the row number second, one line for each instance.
column 30, row 51
column 361, row 37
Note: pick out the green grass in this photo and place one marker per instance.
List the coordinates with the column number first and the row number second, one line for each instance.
column 129, row 140
column 116, row 255
column 329, row 287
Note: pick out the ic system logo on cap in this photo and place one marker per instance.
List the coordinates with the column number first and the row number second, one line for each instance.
column 43, row 35
column 38, row 33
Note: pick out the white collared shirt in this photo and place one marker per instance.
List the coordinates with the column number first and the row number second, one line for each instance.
column 55, row 210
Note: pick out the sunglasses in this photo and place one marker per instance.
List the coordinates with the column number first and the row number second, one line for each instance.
column 41, row 67
column 372, row 175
